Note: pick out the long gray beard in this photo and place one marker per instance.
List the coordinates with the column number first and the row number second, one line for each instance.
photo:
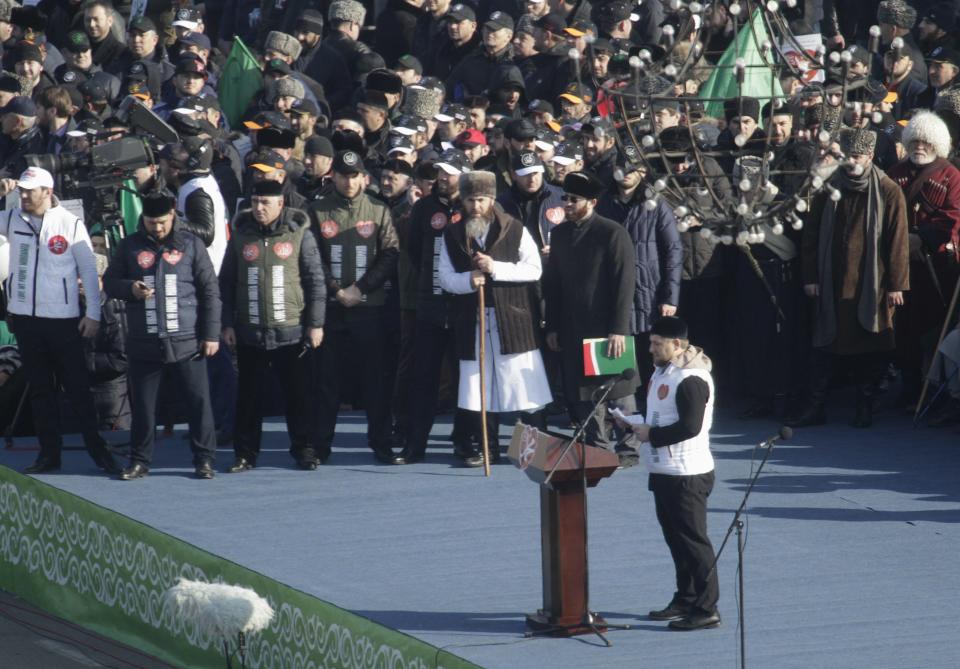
column 478, row 226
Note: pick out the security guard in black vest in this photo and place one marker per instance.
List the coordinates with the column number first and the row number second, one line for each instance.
column 165, row 275
column 360, row 251
column 274, row 298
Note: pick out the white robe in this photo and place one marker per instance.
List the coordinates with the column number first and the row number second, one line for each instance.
column 514, row 382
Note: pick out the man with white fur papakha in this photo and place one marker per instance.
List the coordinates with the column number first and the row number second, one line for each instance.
column 493, row 252
column 931, row 185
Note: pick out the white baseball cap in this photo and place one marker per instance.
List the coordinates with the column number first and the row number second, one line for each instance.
column 35, row 177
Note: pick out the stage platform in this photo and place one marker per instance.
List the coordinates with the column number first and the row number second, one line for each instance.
column 852, row 536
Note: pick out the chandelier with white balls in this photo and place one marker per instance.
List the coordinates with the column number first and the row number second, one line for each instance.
column 762, row 48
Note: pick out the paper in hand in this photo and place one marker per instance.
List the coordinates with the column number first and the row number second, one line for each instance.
column 632, row 419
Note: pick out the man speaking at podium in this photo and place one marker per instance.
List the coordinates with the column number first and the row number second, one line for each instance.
column 675, row 446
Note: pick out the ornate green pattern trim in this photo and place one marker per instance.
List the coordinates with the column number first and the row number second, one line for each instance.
column 106, row 572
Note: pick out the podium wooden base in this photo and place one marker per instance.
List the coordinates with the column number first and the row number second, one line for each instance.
column 542, row 623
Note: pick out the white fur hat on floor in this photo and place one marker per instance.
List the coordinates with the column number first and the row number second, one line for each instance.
column 927, row 127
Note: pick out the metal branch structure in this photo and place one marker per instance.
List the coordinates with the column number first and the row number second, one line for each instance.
column 756, row 206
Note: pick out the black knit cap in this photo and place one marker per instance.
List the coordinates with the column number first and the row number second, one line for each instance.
column 670, row 327
column 750, row 107
column 157, row 204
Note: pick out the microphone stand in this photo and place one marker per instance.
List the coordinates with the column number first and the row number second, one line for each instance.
column 589, row 619
column 737, row 524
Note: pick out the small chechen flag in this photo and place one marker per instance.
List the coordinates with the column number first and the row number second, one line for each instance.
column 596, row 362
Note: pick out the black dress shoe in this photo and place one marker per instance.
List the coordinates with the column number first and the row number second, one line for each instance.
column 472, row 458
column 386, row 455
column 408, row 457
column 204, row 470
column 696, row 621
column 241, row 465
column 674, row 611
column 134, row 471
column 42, row 465
column 308, row 464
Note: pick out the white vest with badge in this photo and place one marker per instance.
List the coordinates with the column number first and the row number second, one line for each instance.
column 208, row 184
column 686, row 458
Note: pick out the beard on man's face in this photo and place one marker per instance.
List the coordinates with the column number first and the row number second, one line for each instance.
column 477, row 226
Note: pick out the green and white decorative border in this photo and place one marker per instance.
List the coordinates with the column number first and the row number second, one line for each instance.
column 106, row 572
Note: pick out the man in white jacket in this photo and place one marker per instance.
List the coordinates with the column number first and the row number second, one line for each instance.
column 49, row 250
column 675, row 446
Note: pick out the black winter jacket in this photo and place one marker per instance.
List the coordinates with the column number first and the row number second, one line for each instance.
column 167, row 327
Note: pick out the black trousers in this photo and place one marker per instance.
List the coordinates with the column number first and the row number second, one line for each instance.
column 293, row 374
column 431, row 347
column 404, row 371
column 52, row 351
column 681, row 503
column 353, row 346
column 190, row 377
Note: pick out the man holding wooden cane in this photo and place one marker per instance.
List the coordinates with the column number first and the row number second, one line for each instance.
column 489, row 251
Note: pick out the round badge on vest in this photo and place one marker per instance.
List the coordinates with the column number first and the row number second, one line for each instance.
column 329, row 229
column 172, row 257
column 146, row 259
column 58, row 245
column 283, row 250
column 438, row 221
column 365, row 229
column 251, row 252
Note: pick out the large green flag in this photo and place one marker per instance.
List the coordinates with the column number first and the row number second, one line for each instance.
column 760, row 81
column 240, row 81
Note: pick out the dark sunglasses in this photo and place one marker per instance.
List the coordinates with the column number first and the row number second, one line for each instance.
column 571, row 198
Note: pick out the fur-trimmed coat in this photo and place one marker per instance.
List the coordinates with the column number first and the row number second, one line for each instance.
column 848, row 260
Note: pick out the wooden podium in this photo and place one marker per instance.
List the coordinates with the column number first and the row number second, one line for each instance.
column 563, row 524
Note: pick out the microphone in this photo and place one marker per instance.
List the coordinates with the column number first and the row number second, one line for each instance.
column 784, row 434
column 625, row 375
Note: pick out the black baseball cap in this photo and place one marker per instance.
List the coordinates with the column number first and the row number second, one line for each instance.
column 520, row 130
column 452, row 111
column 454, row 161
column 348, row 162
column 499, row 21
column 142, row 24
column 527, row 162
column 567, row 152
column 461, row 12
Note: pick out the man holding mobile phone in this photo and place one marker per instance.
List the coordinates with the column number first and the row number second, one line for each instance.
column 165, row 275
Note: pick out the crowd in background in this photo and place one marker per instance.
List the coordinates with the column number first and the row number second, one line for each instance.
column 305, row 235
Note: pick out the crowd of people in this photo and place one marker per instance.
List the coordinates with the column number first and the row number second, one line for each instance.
column 403, row 163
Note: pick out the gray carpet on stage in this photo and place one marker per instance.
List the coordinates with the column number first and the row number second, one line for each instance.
column 853, row 542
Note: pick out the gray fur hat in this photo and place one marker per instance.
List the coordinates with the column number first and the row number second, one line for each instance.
column 422, row 102
column 288, row 86
column 6, row 9
column 857, row 141
column 478, row 183
column 897, row 13
column 346, row 10
column 283, row 43
column 926, row 126
column 948, row 100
